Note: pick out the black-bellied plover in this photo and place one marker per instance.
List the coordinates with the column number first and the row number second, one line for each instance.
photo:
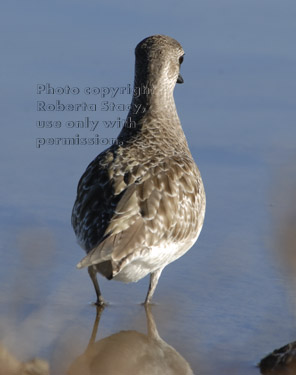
column 141, row 203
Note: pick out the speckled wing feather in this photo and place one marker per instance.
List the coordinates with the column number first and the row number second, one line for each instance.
column 145, row 204
column 95, row 203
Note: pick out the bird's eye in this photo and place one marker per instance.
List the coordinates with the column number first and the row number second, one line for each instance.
column 181, row 59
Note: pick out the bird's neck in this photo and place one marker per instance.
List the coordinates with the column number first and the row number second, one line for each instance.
column 153, row 113
column 155, row 95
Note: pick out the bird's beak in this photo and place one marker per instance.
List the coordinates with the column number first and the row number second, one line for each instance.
column 180, row 79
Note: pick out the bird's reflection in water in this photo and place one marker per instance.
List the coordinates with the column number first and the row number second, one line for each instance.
column 131, row 353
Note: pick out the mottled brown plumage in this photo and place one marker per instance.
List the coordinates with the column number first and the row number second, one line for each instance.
column 141, row 203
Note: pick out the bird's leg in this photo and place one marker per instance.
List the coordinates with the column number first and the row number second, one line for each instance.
column 154, row 276
column 92, row 273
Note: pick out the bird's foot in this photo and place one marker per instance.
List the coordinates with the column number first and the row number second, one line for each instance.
column 148, row 303
column 100, row 302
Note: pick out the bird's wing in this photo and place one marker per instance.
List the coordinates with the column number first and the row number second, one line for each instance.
column 95, row 202
column 156, row 203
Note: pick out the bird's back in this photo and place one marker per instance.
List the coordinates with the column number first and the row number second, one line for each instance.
column 130, row 203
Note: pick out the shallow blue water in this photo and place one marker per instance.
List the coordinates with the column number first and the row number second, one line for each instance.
column 230, row 300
